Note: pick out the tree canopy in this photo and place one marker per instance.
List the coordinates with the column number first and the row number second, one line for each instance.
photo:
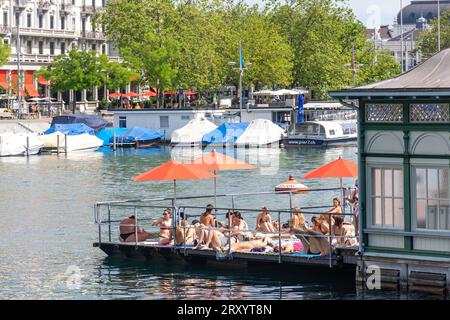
column 428, row 38
column 5, row 51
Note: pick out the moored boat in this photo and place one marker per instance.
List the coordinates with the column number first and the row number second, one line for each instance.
column 322, row 134
column 19, row 144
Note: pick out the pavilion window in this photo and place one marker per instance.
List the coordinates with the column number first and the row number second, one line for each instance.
column 164, row 121
column 379, row 112
column 386, row 198
column 419, row 113
column 432, row 198
column 122, row 122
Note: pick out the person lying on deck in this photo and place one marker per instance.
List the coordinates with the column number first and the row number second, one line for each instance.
column 127, row 229
column 165, row 232
column 264, row 221
column 248, row 245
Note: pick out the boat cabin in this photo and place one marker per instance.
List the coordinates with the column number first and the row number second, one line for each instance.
column 324, row 129
column 404, row 169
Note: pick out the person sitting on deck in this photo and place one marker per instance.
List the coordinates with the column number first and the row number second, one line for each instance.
column 337, row 209
column 207, row 218
column 344, row 231
column 240, row 227
column 264, row 221
column 313, row 239
column 128, row 230
column 165, row 223
column 320, row 224
column 185, row 233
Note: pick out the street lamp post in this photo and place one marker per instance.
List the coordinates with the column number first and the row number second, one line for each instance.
column 19, row 104
column 439, row 24
column 242, row 67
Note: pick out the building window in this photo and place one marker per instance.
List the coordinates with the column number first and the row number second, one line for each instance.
column 386, row 197
column 63, row 47
column 429, row 112
column 384, row 112
column 63, row 23
column 164, row 121
column 52, row 48
column 83, row 25
column 29, row 20
column 73, row 23
column 122, row 122
column 93, row 46
column 17, row 19
column 52, row 22
column 104, row 49
column 29, row 47
column 433, row 198
column 185, row 117
column 5, row 18
column 40, row 21
column 41, row 47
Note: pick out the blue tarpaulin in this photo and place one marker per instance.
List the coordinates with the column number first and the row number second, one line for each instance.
column 71, row 129
column 301, row 100
column 225, row 133
column 138, row 133
column 108, row 133
column 95, row 122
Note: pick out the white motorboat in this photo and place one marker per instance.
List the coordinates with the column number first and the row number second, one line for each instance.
column 83, row 141
column 19, row 144
column 322, row 133
column 260, row 132
column 192, row 133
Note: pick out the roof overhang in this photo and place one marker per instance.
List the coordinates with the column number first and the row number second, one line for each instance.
column 389, row 94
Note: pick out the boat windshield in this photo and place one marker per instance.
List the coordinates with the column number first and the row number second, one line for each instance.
column 309, row 129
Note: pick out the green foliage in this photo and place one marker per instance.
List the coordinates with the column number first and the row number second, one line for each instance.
column 427, row 39
column 5, row 51
column 80, row 70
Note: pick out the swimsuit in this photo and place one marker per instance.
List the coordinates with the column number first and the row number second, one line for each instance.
column 125, row 236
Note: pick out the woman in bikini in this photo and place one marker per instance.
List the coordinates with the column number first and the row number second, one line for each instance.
column 186, row 234
column 264, row 221
column 165, row 223
column 127, row 229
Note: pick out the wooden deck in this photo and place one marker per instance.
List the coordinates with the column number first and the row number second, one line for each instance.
column 181, row 255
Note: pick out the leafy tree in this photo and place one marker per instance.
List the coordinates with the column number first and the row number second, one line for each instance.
column 5, row 51
column 427, row 39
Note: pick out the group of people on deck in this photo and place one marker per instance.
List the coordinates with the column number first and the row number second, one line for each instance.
column 208, row 233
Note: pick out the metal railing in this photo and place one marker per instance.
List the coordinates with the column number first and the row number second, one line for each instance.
column 141, row 208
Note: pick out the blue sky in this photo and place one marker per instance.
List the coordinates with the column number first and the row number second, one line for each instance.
column 372, row 12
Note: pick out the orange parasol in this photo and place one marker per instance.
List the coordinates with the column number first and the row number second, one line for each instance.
column 115, row 95
column 174, row 170
column 149, row 94
column 130, row 94
column 215, row 161
column 339, row 168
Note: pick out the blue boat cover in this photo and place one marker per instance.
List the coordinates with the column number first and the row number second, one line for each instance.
column 71, row 129
column 108, row 133
column 138, row 133
column 95, row 122
column 225, row 133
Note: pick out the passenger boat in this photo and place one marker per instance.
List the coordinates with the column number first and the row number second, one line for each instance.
column 322, row 134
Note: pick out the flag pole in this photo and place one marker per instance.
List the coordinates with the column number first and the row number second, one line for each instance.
column 439, row 24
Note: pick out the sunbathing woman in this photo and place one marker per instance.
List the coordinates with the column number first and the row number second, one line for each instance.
column 248, row 245
column 207, row 218
column 342, row 229
column 264, row 221
column 216, row 240
column 165, row 223
column 240, row 227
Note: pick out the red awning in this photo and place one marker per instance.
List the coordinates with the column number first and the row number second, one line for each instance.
column 41, row 80
column 3, row 81
column 29, row 85
column 130, row 94
column 133, row 79
column 14, row 84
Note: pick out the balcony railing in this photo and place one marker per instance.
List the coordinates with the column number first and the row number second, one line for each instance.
column 20, row 4
column 48, row 32
column 66, row 7
column 32, row 58
column 44, row 5
column 93, row 35
column 4, row 29
column 88, row 9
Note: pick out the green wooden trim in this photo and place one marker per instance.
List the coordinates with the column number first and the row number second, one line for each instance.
column 422, row 253
column 408, row 156
column 362, row 174
column 407, row 192
column 398, row 126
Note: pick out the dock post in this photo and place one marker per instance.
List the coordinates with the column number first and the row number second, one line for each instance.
column 330, row 248
column 57, row 144
column 290, row 203
column 65, row 144
column 135, row 226
column 109, row 223
column 229, row 224
column 279, row 237
column 28, row 146
column 114, row 139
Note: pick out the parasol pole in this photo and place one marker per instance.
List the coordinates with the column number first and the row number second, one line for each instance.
column 215, row 190
column 342, row 194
